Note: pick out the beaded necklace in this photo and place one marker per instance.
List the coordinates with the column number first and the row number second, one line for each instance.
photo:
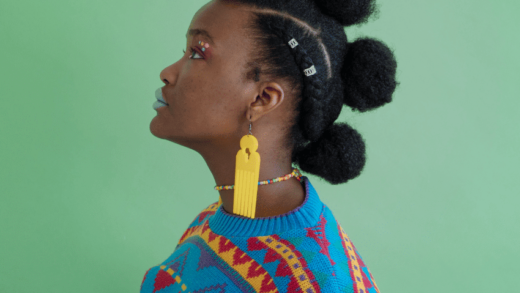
column 295, row 173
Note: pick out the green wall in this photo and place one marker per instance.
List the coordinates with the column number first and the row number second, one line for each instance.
column 90, row 199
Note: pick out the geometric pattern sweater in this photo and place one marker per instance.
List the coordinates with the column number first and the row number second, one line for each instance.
column 304, row 250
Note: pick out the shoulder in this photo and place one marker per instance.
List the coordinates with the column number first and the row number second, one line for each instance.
column 199, row 220
column 156, row 277
column 204, row 214
column 321, row 254
column 147, row 284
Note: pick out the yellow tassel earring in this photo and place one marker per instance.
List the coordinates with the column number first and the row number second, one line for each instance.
column 247, row 172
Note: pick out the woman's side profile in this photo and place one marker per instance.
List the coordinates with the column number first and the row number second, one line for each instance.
column 281, row 71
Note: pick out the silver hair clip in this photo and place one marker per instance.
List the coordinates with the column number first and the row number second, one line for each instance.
column 293, row 43
column 310, row 71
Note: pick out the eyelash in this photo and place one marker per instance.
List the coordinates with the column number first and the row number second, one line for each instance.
column 193, row 51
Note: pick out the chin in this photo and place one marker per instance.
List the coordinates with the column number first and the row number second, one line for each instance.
column 158, row 128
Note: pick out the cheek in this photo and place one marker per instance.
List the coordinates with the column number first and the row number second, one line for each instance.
column 199, row 93
column 207, row 103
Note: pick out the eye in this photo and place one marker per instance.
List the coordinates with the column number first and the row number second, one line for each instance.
column 194, row 54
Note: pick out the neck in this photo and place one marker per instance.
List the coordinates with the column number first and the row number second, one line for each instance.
column 272, row 199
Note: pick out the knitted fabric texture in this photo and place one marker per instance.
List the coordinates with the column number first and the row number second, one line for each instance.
column 305, row 250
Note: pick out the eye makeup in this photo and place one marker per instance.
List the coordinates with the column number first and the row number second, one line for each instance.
column 203, row 48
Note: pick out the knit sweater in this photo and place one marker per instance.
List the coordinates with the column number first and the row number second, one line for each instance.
column 305, row 250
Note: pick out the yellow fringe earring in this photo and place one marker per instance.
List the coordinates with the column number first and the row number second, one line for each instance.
column 247, row 173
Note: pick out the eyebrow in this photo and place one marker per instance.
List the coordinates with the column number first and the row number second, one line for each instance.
column 194, row 32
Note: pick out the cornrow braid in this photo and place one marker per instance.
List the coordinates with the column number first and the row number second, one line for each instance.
column 311, row 86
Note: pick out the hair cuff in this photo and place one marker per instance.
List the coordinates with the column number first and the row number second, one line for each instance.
column 293, row 43
column 310, row 71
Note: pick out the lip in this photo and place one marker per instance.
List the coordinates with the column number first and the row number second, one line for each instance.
column 159, row 95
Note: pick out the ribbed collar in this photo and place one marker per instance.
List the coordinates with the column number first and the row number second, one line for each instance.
column 306, row 215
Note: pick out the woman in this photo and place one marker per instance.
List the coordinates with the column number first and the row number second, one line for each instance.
column 279, row 71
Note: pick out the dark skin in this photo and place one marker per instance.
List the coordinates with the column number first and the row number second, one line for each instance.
column 211, row 102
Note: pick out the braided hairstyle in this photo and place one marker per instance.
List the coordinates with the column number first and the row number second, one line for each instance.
column 359, row 74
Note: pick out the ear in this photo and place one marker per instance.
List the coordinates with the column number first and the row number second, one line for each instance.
column 270, row 96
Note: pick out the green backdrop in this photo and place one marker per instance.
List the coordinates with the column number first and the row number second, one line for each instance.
column 90, row 199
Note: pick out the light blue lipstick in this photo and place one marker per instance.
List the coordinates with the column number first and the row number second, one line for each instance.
column 160, row 100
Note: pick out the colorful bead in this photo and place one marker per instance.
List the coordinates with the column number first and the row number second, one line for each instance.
column 295, row 173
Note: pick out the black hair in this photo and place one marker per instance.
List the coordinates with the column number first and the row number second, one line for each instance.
column 359, row 74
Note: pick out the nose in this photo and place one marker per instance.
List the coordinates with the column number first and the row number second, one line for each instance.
column 169, row 75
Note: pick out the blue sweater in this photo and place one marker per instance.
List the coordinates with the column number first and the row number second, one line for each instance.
column 304, row 250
